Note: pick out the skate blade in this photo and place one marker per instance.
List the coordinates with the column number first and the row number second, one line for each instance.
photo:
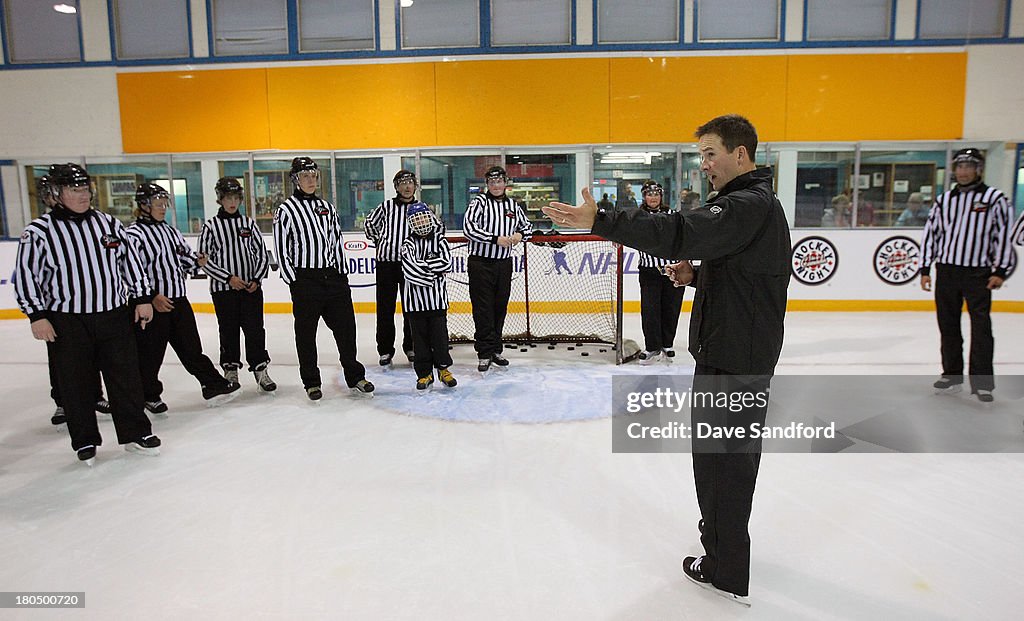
column 142, row 450
column 89, row 462
column 360, row 394
column 732, row 597
column 220, row 400
column 952, row 390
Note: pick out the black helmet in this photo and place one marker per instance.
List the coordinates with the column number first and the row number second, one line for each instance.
column 969, row 155
column 227, row 185
column 146, row 192
column 405, row 175
column 67, row 176
column 496, row 172
column 302, row 164
column 651, row 187
column 43, row 192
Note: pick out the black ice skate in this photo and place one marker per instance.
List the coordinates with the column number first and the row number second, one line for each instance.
column 58, row 417
column 947, row 386
column 314, row 393
column 499, row 360
column 363, row 388
column 146, row 445
column 692, row 570
column 156, row 407
column 220, row 394
column 87, row 454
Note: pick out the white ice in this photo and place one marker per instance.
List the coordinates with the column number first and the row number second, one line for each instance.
column 500, row 499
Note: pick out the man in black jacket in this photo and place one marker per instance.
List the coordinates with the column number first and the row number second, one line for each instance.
column 736, row 326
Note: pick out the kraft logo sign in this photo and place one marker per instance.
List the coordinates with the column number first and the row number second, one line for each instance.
column 814, row 260
column 356, row 245
column 897, row 260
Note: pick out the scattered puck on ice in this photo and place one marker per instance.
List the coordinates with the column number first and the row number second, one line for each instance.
column 522, row 349
column 584, row 353
column 570, row 348
column 533, row 345
column 551, row 346
column 603, row 350
column 579, row 344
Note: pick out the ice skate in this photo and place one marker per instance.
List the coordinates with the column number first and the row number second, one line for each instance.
column 363, row 388
column 691, row 569
column 946, row 386
column 146, row 445
column 87, row 454
column 263, row 378
column 221, row 394
column 447, row 378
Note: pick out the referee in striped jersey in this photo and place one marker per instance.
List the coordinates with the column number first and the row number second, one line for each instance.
column 237, row 262
column 660, row 300
column 385, row 227
column 426, row 258
column 1018, row 231
column 967, row 237
column 75, row 277
column 307, row 236
column 168, row 259
column 493, row 224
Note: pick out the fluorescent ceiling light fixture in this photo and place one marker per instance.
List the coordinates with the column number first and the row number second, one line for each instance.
column 630, row 157
column 65, row 8
column 406, row 4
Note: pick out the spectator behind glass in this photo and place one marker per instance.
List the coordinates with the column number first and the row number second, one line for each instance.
column 605, row 202
column 838, row 214
column 915, row 214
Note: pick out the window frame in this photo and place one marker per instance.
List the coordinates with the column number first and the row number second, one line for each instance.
column 115, row 35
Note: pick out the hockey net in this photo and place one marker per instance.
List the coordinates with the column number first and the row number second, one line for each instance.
column 565, row 288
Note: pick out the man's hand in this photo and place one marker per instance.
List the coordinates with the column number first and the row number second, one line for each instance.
column 143, row 315
column 508, row 242
column 162, row 303
column 201, row 259
column 42, row 330
column 581, row 217
column 926, row 283
column 253, row 286
column 681, row 274
column 237, row 283
column 994, row 282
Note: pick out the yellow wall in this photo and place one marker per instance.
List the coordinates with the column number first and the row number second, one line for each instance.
column 818, row 97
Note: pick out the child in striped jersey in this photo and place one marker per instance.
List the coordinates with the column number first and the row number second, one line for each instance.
column 660, row 300
column 426, row 258
column 237, row 262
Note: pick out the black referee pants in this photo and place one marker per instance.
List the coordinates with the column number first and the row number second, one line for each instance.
column 88, row 344
column 490, row 285
column 241, row 311
column 390, row 282
column 953, row 286
column 725, row 473
column 430, row 341
column 660, row 305
column 54, row 389
column 178, row 329
column 324, row 293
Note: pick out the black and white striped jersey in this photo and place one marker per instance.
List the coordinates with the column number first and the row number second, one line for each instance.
column 648, row 260
column 234, row 247
column 488, row 218
column 425, row 261
column 307, row 234
column 77, row 265
column 166, row 256
column 969, row 227
column 1017, row 236
column 386, row 228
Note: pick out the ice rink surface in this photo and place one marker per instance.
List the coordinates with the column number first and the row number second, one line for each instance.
column 500, row 499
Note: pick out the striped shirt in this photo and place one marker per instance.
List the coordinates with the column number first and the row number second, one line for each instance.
column 425, row 261
column 386, row 228
column 307, row 234
column 1017, row 236
column 647, row 260
column 166, row 256
column 77, row 266
column 234, row 247
column 487, row 219
column 969, row 227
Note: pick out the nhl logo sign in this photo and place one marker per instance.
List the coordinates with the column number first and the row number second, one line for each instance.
column 897, row 260
column 814, row 260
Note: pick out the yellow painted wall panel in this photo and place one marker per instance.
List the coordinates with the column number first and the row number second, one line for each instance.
column 522, row 102
column 876, row 96
column 664, row 99
column 180, row 111
column 352, row 106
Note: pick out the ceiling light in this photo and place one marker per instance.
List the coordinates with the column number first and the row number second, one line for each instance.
column 65, row 8
column 406, row 4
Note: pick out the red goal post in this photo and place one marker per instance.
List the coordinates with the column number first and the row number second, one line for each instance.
column 566, row 288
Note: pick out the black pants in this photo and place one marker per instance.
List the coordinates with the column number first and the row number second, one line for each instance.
column 178, row 329
column 953, row 286
column 389, row 283
column 725, row 474
column 430, row 341
column 54, row 389
column 241, row 311
column 490, row 285
column 89, row 344
column 660, row 305
column 324, row 293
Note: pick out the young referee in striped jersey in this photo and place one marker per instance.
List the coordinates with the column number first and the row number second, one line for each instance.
column 385, row 227
column 660, row 300
column 75, row 278
column 310, row 248
column 426, row 258
column 236, row 262
column 168, row 259
column 967, row 237
column 493, row 224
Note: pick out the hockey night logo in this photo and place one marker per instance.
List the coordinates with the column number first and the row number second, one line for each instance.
column 897, row 260
column 814, row 260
